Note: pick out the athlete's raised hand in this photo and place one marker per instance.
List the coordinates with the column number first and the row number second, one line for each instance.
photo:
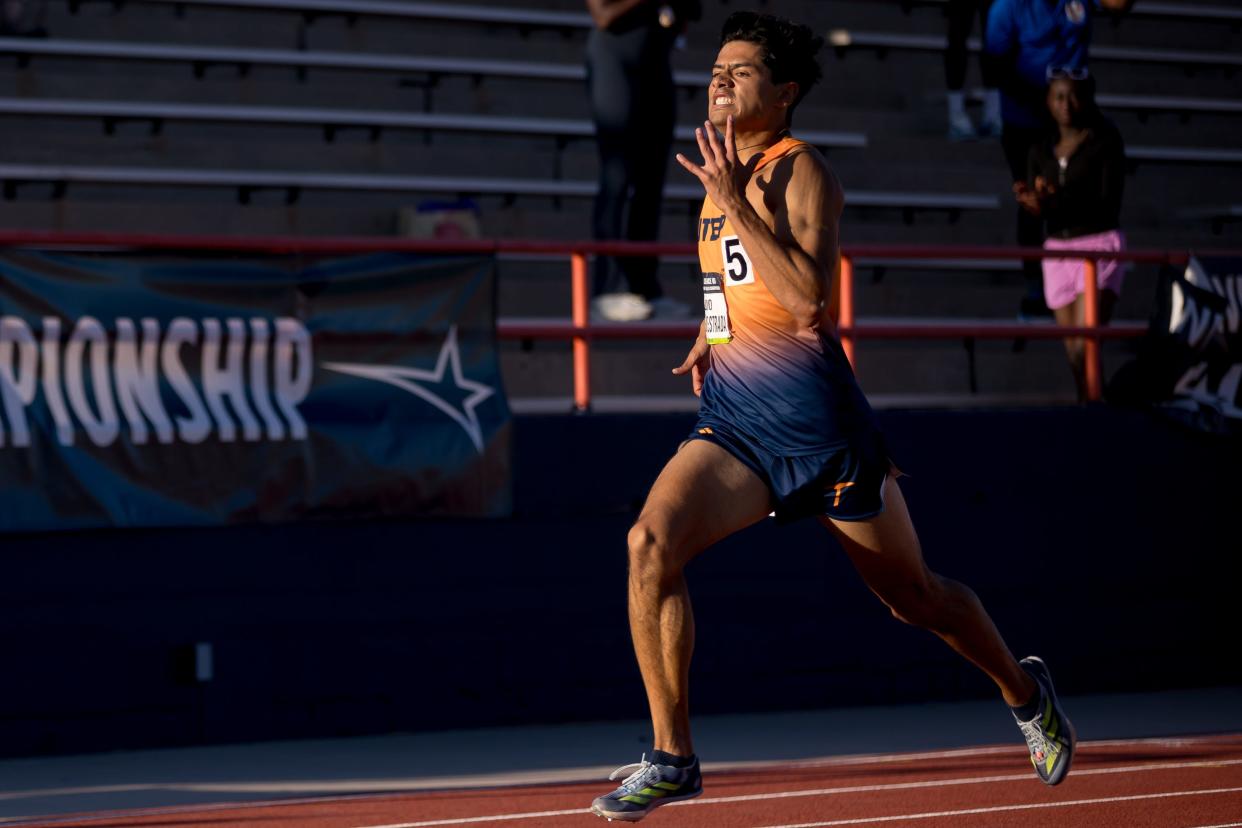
column 721, row 175
column 696, row 362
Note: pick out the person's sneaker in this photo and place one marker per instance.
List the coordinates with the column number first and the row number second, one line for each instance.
column 961, row 128
column 622, row 307
column 646, row 789
column 1050, row 736
column 664, row 307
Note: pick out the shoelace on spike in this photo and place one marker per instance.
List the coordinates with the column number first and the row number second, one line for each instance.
column 1036, row 739
column 637, row 780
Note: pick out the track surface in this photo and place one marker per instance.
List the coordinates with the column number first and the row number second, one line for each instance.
column 1162, row 783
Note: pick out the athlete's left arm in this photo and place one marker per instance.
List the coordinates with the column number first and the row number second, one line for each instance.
column 798, row 254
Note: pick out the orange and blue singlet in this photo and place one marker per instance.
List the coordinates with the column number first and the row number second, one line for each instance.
column 781, row 397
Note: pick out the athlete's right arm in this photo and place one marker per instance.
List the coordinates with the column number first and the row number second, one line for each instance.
column 696, row 361
column 607, row 12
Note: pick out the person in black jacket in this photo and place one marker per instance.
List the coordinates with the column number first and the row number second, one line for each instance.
column 1075, row 180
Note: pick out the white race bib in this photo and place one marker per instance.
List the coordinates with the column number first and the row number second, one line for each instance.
column 715, row 310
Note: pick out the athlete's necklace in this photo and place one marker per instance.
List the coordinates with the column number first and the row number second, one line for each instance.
column 783, row 133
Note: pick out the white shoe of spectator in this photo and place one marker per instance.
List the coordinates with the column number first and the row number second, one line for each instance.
column 665, row 307
column 961, row 128
column 622, row 307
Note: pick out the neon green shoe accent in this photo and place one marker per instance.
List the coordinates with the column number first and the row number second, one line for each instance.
column 637, row 799
column 652, row 793
column 668, row 786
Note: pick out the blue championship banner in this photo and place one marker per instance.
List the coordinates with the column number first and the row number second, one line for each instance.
column 156, row 389
column 1190, row 366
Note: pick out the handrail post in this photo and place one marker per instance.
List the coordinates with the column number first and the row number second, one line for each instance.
column 581, row 310
column 845, row 308
column 1091, row 345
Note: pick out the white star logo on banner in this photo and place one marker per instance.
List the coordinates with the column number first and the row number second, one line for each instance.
column 409, row 379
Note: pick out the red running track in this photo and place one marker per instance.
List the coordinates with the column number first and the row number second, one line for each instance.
column 1193, row 782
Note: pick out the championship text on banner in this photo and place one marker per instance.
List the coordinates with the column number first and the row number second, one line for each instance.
column 1191, row 364
column 145, row 390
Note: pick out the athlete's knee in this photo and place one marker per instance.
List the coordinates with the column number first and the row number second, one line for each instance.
column 918, row 602
column 651, row 552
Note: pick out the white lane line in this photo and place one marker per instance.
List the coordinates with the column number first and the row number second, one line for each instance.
column 999, row 808
column 850, row 789
column 1223, row 825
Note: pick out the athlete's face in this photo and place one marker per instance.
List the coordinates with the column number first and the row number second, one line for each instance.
column 742, row 87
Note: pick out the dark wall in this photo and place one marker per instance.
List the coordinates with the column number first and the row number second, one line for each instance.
column 1101, row 539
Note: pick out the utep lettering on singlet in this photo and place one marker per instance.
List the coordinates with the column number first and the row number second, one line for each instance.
column 714, row 225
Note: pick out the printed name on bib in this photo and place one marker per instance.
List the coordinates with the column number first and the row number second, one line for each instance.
column 715, row 310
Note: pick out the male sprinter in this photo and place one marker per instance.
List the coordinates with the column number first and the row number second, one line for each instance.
column 782, row 424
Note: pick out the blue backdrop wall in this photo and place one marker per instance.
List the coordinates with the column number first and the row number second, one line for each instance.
column 1102, row 539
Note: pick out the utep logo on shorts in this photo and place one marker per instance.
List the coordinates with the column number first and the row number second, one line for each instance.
column 712, row 226
column 840, row 490
column 1075, row 11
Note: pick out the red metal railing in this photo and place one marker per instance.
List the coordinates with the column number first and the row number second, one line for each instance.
column 579, row 329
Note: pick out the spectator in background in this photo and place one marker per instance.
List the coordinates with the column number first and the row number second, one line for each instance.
column 961, row 15
column 1028, row 36
column 633, row 102
column 1074, row 181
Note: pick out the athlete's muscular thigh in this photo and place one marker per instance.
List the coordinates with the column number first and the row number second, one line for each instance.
column 885, row 549
column 703, row 495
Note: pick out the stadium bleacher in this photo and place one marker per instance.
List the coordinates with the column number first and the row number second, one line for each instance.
column 485, row 99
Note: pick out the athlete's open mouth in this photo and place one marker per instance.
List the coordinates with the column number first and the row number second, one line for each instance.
column 723, row 100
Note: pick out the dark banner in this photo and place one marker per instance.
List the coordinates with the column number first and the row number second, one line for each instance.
column 143, row 390
column 1191, row 363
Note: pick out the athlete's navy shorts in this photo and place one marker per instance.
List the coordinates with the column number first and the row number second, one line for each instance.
column 844, row 483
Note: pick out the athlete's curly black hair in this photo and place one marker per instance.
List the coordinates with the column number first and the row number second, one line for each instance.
column 789, row 48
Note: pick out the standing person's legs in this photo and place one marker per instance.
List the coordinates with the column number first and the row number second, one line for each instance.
column 703, row 495
column 649, row 146
column 886, row 553
column 992, row 69
column 1075, row 314
column 609, row 92
column 961, row 14
column 991, row 66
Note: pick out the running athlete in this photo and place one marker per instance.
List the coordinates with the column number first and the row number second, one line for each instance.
column 783, row 426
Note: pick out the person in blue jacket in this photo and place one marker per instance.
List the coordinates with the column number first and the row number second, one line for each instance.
column 1029, row 37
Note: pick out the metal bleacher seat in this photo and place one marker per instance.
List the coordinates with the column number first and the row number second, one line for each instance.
column 293, row 183
column 1148, row 8
column 1184, row 155
column 331, row 120
column 1142, row 104
column 533, row 17
column 1217, row 215
column 464, row 13
column 843, row 40
column 200, row 57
